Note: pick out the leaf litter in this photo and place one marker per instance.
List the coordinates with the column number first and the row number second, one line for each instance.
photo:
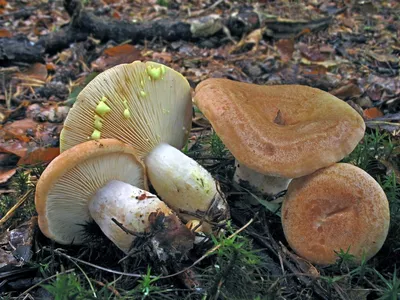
column 349, row 49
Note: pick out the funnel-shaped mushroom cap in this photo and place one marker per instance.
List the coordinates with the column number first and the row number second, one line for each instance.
column 69, row 182
column 141, row 104
column 335, row 208
column 287, row 131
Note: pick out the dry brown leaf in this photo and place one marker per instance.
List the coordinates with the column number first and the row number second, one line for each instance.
column 162, row 57
column 372, row 113
column 15, row 147
column 18, row 129
column 347, row 91
column 5, row 33
column 37, row 71
column 117, row 55
column 285, row 49
column 40, row 155
column 6, row 174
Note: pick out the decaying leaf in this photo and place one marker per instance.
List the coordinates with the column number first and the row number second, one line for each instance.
column 6, row 174
column 116, row 55
column 372, row 113
column 40, row 155
column 285, row 48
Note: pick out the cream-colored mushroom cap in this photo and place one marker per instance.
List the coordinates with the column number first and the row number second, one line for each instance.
column 335, row 208
column 72, row 179
column 286, row 130
column 142, row 104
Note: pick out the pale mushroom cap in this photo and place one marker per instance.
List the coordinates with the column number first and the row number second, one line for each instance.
column 287, row 130
column 71, row 179
column 335, row 208
column 148, row 103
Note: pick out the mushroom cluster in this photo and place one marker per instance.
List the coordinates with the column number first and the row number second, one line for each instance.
column 127, row 124
column 291, row 137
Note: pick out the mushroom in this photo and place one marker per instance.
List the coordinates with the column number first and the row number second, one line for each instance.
column 148, row 106
column 98, row 180
column 334, row 208
column 278, row 132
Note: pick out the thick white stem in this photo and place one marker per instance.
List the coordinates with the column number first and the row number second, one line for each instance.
column 128, row 205
column 263, row 184
column 184, row 184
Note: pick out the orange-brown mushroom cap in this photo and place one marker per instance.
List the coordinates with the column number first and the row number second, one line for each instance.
column 335, row 208
column 286, row 131
column 71, row 179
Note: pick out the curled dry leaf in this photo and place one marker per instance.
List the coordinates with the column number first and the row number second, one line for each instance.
column 4, row 33
column 372, row 113
column 116, row 55
column 39, row 155
column 36, row 72
column 6, row 174
column 347, row 91
column 19, row 130
column 285, row 48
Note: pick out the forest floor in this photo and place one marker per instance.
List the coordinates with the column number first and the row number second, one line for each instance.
column 49, row 51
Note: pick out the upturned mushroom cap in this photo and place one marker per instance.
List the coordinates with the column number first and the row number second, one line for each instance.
column 71, row 180
column 141, row 104
column 335, row 208
column 287, row 130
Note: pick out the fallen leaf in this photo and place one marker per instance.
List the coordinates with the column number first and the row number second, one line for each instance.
column 384, row 58
column 163, row 57
column 117, row 55
column 372, row 113
column 5, row 33
column 116, row 15
column 285, row 49
column 347, row 91
column 311, row 53
column 15, row 147
column 36, row 71
column 6, row 174
column 51, row 67
column 40, row 155
column 19, row 129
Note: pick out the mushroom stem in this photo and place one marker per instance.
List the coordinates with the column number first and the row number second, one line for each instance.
column 136, row 209
column 185, row 185
column 266, row 185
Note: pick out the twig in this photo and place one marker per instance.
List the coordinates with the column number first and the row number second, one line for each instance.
column 44, row 280
column 126, row 230
column 11, row 212
column 97, row 266
column 112, row 289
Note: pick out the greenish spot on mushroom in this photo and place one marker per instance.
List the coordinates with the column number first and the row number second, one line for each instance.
column 95, row 135
column 102, row 108
column 200, row 180
column 142, row 82
column 154, row 72
column 163, row 69
column 165, row 111
column 143, row 93
column 127, row 113
column 97, row 122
